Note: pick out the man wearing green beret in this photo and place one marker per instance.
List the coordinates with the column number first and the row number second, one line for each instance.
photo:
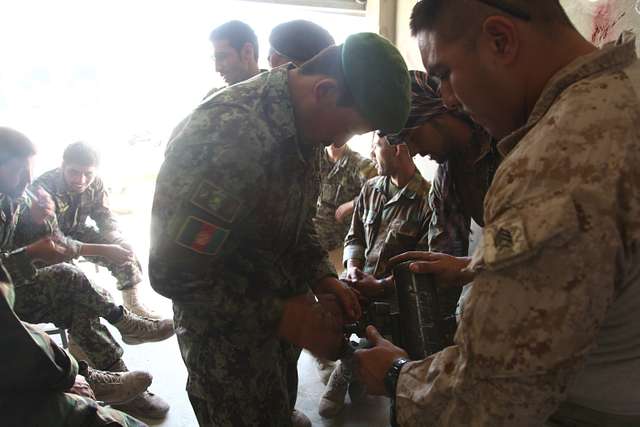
column 233, row 242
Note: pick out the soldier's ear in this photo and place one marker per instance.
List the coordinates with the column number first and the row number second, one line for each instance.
column 326, row 91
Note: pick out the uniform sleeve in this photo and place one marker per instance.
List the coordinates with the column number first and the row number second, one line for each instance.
column 440, row 238
column 355, row 243
column 531, row 317
column 101, row 212
column 204, row 200
column 425, row 224
column 313, row 257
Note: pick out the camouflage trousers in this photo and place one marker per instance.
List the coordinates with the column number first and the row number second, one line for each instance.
column 59, row 410
column 236, row 382
column 63, row 295
column 127, row 275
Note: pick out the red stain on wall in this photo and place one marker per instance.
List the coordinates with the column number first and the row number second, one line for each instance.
column 604, row 23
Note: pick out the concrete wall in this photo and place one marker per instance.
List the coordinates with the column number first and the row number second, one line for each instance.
column 599, row 21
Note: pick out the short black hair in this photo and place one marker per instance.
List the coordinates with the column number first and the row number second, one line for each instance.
column 329, row 63
column 237, row 33
column 456, row 17
column 82, row 154
column 14, row 145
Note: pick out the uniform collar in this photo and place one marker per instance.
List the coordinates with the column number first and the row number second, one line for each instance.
column 415, row 188
column 613, row 56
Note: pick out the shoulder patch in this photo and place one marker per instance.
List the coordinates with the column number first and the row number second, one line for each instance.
column 214, row 200
column 505, row 240
column 201, row 236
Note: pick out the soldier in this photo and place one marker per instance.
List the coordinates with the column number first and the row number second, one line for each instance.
column 79, row 194
column 233, row 242
column 297, row 41
column 549, row 329
column 235, row 51
column 61, row 293
column 41, row 384
column 391, row 217
column 467, row 159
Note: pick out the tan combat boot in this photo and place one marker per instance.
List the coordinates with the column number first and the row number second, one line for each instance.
column 131, row 300
column 146, row 405
column 116, row 387
column 137, row 329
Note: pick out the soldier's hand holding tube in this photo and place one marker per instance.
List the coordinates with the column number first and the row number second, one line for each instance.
column 373, row 363
column 449, row 270
column 347, row 296
column 49, row 250
column 312, row 325
column 42, row 206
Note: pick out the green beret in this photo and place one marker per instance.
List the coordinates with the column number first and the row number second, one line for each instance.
column 299, row 40
column 378, row 79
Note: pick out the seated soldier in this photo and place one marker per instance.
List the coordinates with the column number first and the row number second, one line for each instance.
column 391, row 217
column 41, row 384
column 79, row 194
column 62, row 294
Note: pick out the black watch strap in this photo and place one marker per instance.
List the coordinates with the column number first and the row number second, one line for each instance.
column 391, row 384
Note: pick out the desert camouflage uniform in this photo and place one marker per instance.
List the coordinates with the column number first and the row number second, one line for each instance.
column 341, row 182
column 554, row 311
column 60, row 294
column 73, row 210
column 35, row 375
column 232, row 238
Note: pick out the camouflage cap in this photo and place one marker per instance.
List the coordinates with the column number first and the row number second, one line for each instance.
column 299, row 40
column 378, row 79
column 426, row 104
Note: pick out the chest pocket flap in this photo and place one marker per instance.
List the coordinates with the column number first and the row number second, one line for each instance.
column 521, row 233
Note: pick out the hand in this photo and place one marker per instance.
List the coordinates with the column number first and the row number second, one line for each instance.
column 354, row 272
column 49, row 250
column 42, row 206
column 344, row 211
column 308, row 324
column 82, row 388
column 446, row 268
column 369, row 286
column 117, row 254
column 347, row 296
column 373, row 364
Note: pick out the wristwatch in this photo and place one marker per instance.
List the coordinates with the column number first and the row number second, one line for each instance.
column 391, row 383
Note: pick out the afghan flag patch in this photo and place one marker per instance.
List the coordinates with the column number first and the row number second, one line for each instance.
column 201, row 236
column 215, row 201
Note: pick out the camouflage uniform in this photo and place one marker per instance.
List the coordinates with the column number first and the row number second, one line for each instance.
column 382, row 228
column 456, row 197
column 60, row 294
column 554, row 310
column 232, row 239
column 73, row 210
column 35, row 375
column 341, row 182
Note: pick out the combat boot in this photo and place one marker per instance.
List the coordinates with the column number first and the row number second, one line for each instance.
column 332, row 400
column 146, row 405
column 131, row 300
column 299, row 419
column 137, row 329
column 116, row 387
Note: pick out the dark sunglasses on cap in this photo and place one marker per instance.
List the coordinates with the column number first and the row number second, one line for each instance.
column 508, row 8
